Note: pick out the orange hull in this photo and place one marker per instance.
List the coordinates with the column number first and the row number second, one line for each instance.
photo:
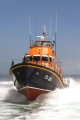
column 32, row 93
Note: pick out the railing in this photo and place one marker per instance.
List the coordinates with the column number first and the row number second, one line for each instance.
column 57, row 66
column 18, row 61
column 42, row 43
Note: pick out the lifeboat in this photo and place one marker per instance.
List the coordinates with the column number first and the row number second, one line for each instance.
column 39, row 71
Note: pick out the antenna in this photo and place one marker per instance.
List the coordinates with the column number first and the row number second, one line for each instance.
column 35, row 28
column 56, row 21
column 50, row 29
column 44, row 31
column 30, row 30
column 55, row 33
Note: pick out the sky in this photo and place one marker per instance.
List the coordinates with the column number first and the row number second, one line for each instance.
column 14, row 30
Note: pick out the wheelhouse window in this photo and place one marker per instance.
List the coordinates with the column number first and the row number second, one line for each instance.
column 36, row 58
column 44, row 58
column 28, row 58
column 50, row 59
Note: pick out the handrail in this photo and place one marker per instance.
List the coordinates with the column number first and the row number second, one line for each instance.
column 42, row 43
column 12, row 63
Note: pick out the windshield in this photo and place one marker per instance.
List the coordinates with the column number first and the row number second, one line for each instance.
column 29, row 58
column 36, row 58
column 50, row 59
column 44, row 58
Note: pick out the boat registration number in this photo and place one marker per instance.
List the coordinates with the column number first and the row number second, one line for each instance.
column 48, row 78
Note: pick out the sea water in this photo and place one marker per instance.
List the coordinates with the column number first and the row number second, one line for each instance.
column 61, row 104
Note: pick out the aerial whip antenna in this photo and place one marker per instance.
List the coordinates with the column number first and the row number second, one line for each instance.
column 50, row 29
column 55, row 33
column 30, row 30
column 35, row 28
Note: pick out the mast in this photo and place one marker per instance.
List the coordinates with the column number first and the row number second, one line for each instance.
column 30, row 30
column 55, row 43
column 44, row 31
column 50, row 30
column 44, row 34
column 55, row 33
column 35, row 28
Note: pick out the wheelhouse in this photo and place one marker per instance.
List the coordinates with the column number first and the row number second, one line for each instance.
column 42, row 58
